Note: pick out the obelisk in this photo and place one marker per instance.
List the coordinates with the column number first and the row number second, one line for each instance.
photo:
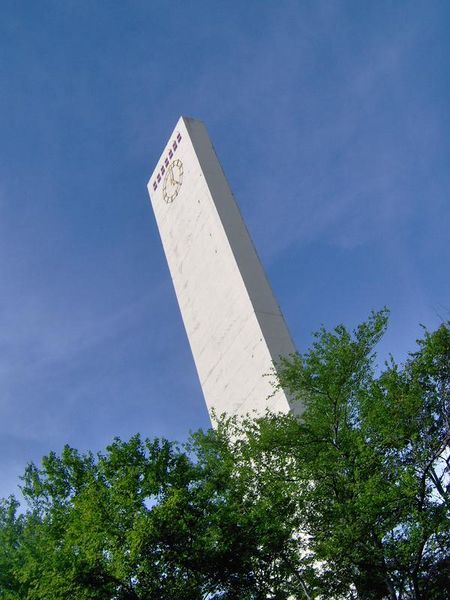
column 234, row 325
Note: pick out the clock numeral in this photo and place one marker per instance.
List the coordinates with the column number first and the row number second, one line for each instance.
column 173, row 181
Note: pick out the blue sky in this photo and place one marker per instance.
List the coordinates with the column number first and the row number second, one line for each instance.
column 331, row 120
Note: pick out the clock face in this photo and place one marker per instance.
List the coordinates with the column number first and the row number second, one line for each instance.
column 173, row 181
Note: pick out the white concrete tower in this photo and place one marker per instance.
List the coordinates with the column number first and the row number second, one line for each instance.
column 235, row 327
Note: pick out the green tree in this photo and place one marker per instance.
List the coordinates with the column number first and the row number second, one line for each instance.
column 350, row 501
column 11, row 526
column 371, row 461
column 146, row 519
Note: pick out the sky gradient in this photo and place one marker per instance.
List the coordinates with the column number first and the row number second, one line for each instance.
column 331, row 120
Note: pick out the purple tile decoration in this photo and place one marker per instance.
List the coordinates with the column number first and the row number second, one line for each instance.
column 166, row 161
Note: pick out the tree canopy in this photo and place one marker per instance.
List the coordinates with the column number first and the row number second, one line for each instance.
column 350, row 501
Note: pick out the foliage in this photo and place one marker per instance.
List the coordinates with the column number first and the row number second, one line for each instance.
column 350, row 501
column 371, row 458
column 144, row 520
